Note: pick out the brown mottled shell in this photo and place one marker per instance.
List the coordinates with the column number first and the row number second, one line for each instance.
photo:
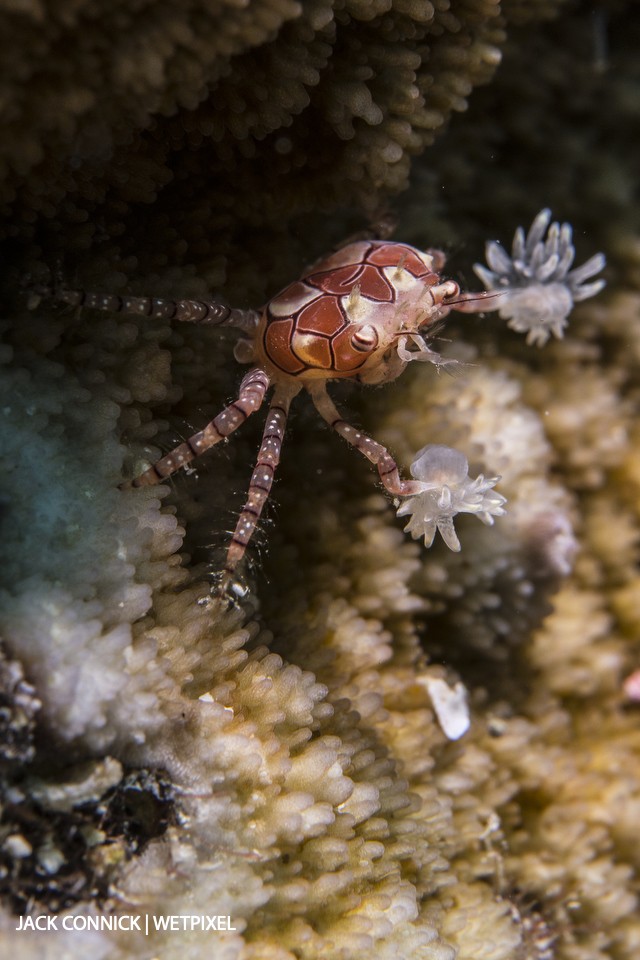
column 306, row 329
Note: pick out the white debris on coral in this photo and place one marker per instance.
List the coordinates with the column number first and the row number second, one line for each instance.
column 450, row 705
column 539, row 287
column 446, row 491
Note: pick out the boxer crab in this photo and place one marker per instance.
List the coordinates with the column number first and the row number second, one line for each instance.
column 364, row 313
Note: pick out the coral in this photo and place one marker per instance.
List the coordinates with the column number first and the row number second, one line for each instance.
column 79, row 637
column 283, row 762
column 64, row 842
column 223, row 116
column 18, row 708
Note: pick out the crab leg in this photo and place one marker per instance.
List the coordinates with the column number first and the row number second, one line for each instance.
column 371, row 449
column 261, row 478
column 190, row 311
column 250, row 396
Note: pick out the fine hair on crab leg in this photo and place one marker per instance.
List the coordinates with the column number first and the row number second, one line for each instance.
column 190, row 311
column 261, row 478
column 371, row 449
column 250, row 396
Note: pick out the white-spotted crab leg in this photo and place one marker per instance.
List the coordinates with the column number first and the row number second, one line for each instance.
column 190, row 311
column 261, row 479
column 371, row 449
column 250, row 396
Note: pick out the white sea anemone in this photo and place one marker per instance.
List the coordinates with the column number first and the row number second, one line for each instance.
column 539, row 287
column 447, row 491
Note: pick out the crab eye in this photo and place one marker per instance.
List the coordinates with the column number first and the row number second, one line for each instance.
column 365, row 338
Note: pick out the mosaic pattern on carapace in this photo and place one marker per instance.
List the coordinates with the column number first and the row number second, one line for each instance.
column 307, row 324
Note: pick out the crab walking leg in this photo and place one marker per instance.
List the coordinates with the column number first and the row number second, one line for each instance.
column 261, row 478
column 250, row 396
column 190, row 311
column 372, row 450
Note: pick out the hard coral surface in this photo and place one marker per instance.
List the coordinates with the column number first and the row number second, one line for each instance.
column 289, row 751
column 222, row 116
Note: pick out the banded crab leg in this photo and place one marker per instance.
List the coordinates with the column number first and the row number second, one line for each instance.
column 250, row 396
column 261, row 480
column 371, row 449
column 190, row 311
